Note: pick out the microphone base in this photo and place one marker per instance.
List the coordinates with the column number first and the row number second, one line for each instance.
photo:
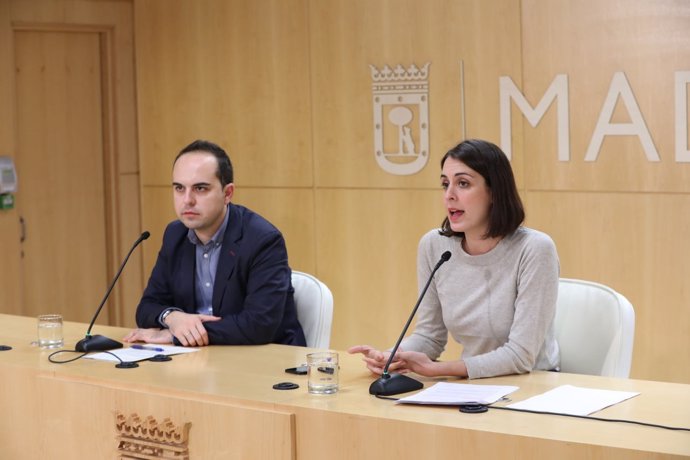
column 96, row 343
column 393, row 384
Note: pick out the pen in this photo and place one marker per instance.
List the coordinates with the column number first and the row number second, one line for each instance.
column 144, row 347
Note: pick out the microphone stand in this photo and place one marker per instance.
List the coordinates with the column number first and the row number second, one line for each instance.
column 393, row 384
column 99, row 342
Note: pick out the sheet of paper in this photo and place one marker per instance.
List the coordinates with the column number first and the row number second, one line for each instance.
column 130, row 354
column 568, row 399
column 444, row 393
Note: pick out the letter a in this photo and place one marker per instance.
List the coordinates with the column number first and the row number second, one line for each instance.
column 621, row 87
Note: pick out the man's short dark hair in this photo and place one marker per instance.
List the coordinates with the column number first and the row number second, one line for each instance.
column 507, row 212
column 224, row 171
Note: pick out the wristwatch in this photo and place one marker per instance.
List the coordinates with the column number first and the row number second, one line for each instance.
column 165, row 315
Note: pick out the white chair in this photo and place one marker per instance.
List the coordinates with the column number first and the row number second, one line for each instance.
column 314, row 303
column 594, row 327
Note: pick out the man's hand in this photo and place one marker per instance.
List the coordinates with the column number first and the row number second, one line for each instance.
column 153, row 335
column 189, row 328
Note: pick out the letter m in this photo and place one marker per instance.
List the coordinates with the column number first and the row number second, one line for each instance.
column 557, row 90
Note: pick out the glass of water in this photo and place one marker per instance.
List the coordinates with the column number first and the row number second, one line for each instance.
column 323, row 369
column 50, row 331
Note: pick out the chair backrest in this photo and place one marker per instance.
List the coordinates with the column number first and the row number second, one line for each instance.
column 314, row 303
column 595, row 328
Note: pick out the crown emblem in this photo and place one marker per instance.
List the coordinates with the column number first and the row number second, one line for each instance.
column 148, row 438
column 401, row 117
column 400, row 74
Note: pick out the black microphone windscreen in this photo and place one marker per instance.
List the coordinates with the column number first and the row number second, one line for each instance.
column 145, row 236
column 445, row 256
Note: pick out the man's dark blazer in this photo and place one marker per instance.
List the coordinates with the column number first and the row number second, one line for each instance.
column 252, row 292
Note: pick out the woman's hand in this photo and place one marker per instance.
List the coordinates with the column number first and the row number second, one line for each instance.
column 375, row 360
column 419, row 363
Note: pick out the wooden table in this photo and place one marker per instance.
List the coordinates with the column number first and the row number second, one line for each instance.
column 224, row 396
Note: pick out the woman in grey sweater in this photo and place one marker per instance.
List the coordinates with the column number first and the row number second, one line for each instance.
column 496, row 296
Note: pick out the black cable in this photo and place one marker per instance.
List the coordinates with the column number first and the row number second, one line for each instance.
column 50, row 356
column 589, row 417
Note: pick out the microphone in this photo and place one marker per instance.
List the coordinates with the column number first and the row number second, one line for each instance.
column 99, row 342
column 393, row 384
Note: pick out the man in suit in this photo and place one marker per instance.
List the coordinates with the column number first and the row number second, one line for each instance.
column 222, row 275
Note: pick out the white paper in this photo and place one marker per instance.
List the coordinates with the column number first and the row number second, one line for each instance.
column 444, row 393
column 568, row 399
column 130, row 354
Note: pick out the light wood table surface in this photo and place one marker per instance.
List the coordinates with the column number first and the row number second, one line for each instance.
column 225, row 393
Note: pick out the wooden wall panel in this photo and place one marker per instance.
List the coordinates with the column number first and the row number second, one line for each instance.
column 633, row 240
column 131, row 225
column 368, row 238
column 10, row 252
column 157, row 213
column 69, row 144
column 6, row 79
column 292, row 210
column 10, row 268
column 348, row 36
column 233, row 72
column 367, row 246
column 636, row 244
column 590, row 41
column 113, row 22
